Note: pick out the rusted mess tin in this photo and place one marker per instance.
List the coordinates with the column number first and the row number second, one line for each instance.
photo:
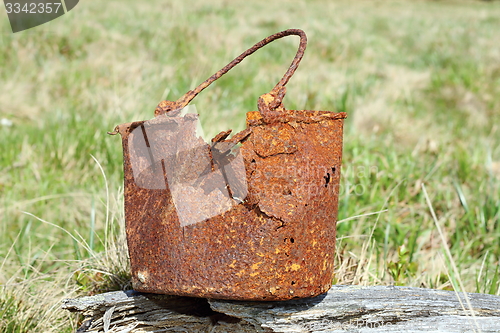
column 251, row 217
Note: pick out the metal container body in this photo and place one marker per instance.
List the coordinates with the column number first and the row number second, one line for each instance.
column 276, row 242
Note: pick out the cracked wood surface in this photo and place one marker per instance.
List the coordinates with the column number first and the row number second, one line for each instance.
column 341, row 309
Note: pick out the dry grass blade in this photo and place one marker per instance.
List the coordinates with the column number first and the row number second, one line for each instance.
column 362, row 215
column 80, row 242
column 451, row 260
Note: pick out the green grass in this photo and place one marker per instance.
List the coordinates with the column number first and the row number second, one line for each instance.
column 419, row 80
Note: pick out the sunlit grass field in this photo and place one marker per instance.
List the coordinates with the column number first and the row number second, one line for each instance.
column 419, row 80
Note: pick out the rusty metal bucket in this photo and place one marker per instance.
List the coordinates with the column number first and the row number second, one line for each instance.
column 252, row 217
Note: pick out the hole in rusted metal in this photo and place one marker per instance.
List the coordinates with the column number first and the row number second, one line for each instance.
column 327, row 179
column 292, row 240
column 333, row 170
column 293, row 282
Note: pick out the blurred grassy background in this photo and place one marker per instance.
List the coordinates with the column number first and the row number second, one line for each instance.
column 420, row 81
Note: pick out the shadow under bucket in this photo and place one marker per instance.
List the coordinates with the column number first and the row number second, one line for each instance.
column 251, row 217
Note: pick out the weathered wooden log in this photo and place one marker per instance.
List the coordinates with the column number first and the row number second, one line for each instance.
column 342, row 309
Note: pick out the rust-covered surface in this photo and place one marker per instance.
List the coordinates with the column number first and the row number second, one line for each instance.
column 251, row 217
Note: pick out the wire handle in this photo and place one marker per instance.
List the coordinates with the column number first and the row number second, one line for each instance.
column 270, row 101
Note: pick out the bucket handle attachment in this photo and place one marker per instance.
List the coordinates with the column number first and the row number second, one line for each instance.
column 271, row 101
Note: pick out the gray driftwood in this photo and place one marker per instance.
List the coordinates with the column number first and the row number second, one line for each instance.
column 342, row 309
